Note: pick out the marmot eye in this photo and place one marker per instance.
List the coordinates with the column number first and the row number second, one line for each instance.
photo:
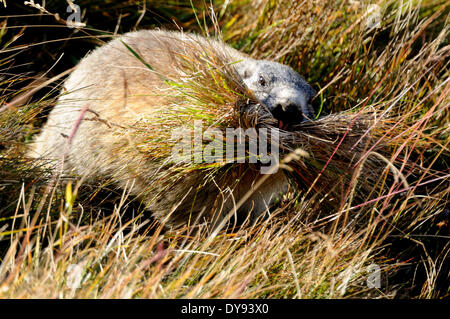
column 262, row 81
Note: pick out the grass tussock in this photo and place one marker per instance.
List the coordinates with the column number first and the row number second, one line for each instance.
column 370, row 178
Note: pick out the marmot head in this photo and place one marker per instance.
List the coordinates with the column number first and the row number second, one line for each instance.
column 282, row 90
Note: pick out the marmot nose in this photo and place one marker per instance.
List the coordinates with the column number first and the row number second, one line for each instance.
column 290, row 113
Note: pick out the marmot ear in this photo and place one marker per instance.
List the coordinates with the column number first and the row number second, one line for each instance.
column 245, row 68
column 246, row 74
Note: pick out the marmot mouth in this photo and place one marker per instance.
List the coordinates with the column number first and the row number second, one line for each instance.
column 287, row 118
column 283, row 125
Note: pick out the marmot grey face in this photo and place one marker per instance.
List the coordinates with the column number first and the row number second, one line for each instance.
column 282, row 90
